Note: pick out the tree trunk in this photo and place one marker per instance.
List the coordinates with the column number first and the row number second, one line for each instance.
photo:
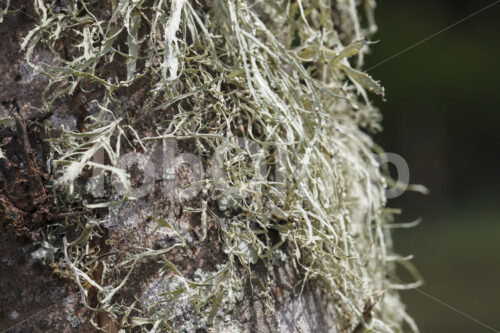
column 125, row 104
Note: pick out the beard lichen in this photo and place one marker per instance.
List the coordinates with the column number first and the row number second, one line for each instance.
column 276, row 73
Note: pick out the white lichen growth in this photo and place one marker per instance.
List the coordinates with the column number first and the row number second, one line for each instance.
column 182, row 304
column 274, row 72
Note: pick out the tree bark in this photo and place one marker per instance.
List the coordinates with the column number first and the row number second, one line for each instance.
column 38, row 297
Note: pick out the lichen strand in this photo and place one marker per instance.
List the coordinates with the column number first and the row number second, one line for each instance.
column 203, row 74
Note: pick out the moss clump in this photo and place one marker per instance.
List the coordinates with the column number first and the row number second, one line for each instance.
column 277, row 73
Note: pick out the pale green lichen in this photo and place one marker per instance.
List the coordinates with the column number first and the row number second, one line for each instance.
column 188, row 305
column 274, row 72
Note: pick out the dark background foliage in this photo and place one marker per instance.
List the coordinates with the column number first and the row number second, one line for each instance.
column 443, row 115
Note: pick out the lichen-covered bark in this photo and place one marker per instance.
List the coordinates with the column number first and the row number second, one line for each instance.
column 185, row 85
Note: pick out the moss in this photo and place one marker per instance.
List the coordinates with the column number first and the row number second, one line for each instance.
column 277, row 73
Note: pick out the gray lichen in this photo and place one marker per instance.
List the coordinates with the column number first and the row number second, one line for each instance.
column 282, row 74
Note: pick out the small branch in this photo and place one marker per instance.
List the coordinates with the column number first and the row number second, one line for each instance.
column 38, row 190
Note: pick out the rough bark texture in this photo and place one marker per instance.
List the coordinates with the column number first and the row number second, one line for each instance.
column 42, row 298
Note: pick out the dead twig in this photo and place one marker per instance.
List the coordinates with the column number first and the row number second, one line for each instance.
column 38, row 192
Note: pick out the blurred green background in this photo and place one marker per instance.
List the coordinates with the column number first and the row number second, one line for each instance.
column 443, row 117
